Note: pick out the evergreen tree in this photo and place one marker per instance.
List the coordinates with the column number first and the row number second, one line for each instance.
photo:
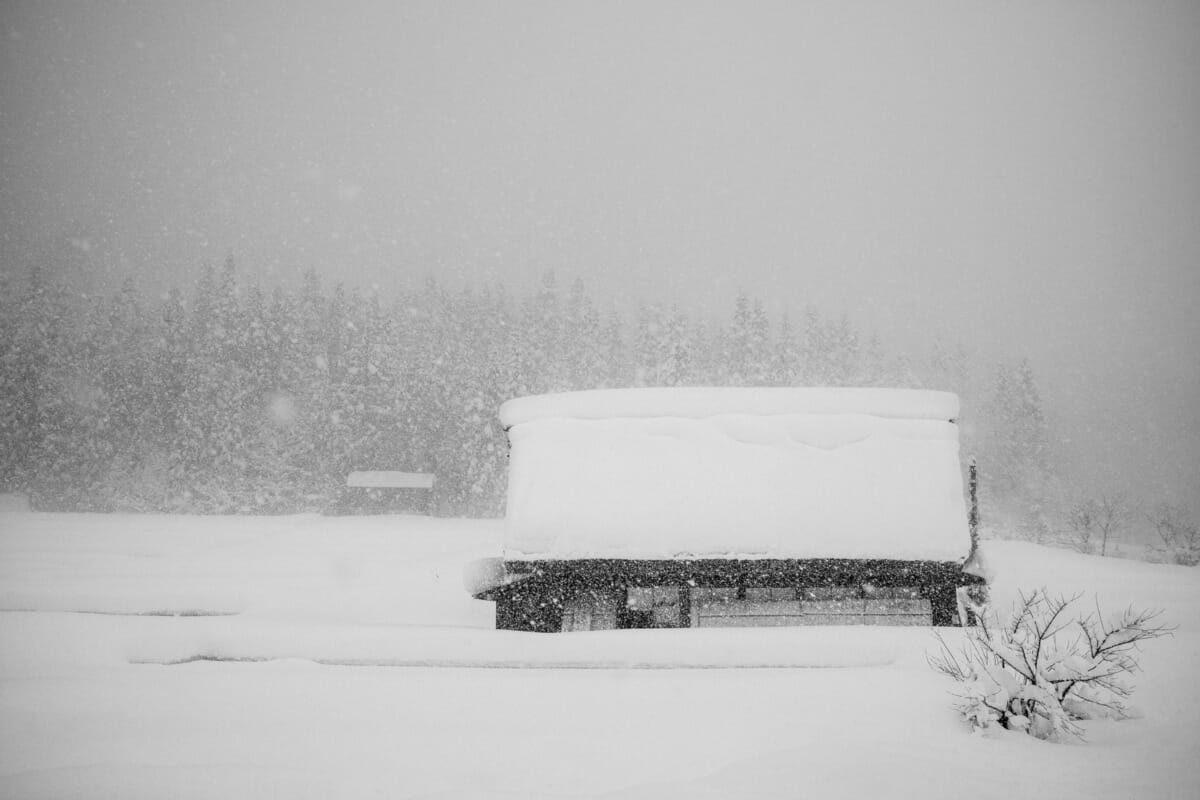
column 844, row 354
column 619, row 365
column 662, row 347
column 69, row 448
column 124, row 427
column 739, row 347
column 759, row 351
column 23, row 349
column 543, row 364
column 873, row 367
column 816, row 350
column 583, row 342
column 281, row 460
column 785, row 360
column 949, row 367
column 1016, row 469
column 708, row 353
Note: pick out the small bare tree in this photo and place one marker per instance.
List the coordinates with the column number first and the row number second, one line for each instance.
column 1081, row 519
column 1102, row 520
column 1043, row 669
column 1179, row 534
column 1116, row 513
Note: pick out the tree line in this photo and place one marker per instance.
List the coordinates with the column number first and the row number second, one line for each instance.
column 223, row 397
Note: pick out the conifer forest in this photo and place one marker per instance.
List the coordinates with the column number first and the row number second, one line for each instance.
column 224, row 398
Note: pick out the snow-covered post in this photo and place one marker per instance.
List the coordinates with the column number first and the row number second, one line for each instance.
column 973, row 491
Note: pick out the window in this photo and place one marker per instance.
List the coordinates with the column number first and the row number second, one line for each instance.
column 653, row 607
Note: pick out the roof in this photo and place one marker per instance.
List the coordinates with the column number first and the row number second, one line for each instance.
column 735, row 473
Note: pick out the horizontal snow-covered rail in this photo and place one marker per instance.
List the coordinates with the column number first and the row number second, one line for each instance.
column 187, row 612
column 616, row 664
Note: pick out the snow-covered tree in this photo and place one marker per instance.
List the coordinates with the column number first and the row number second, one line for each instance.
column 583, row 342
column 1016, row 466
column 1041, row 670
column 662, row 347
column 748, row 347
column 785, row 360
column 619, row 370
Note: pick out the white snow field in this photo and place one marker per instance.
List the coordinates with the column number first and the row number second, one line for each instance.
column 351, row 663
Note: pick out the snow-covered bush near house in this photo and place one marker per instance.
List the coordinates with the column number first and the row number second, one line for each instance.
column 1043, row 669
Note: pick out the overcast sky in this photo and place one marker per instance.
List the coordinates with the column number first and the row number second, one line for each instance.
column 1022, row 176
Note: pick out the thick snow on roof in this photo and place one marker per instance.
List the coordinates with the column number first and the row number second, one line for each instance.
column 735, row 473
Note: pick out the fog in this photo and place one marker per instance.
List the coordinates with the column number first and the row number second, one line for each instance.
column 1023, row 178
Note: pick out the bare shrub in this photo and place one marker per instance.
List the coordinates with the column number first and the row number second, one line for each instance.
column 1044, row 669
column 1099, row 521
column 1179, row 534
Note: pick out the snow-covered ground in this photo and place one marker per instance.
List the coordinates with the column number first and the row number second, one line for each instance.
column 340, row 657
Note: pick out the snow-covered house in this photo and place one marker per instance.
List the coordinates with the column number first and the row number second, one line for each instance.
column 701, row 507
